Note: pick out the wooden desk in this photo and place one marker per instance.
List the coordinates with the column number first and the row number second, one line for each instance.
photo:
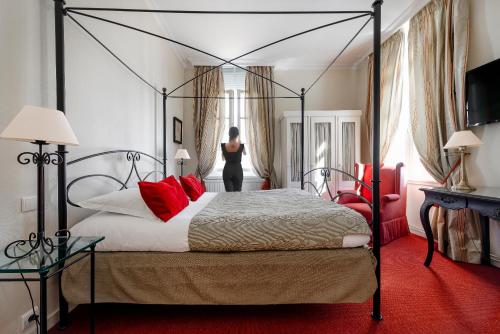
column 486, row 201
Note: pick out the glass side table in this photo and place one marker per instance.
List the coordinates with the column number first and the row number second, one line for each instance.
column 47, row 265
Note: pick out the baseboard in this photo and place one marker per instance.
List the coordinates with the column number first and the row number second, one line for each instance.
column 52, row 320
column 494, row 258
column 417, row 230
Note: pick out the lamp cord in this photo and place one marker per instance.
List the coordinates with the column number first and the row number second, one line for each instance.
column 37, row 321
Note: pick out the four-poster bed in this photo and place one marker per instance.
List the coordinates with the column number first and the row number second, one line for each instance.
column 61, row 11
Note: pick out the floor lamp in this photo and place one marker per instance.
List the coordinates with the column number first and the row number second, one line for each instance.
column 40, row 126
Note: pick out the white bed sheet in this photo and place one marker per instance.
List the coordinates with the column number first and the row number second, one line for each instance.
column 125, row 233
column 129, row 233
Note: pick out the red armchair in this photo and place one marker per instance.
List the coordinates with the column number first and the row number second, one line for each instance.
column 393, row 222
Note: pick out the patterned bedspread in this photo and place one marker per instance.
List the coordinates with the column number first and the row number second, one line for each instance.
column 283, row 219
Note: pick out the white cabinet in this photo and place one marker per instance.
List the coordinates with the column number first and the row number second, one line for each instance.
column 332, row 140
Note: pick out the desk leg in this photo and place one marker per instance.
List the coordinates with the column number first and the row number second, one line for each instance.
column 43, row 302
column 92, row 290
column 485, row 239
column 424, row 218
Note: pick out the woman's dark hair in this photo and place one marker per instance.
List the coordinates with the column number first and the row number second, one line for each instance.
column 233, row 132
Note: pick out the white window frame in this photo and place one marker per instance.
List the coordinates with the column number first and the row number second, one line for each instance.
column 235, row 90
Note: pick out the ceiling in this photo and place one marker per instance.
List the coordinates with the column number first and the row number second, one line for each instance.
column 229, row 36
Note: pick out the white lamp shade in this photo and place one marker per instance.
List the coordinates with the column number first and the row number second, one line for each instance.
column 463, row 139
column 181, row 154
column 36, row 123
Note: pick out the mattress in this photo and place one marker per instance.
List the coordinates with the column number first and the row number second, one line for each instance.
column 239, row 278
column 125, row 233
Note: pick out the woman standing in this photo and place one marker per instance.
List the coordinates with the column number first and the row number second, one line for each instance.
column 231, row 153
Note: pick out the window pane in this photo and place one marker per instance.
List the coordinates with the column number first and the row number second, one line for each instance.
column 234, row 81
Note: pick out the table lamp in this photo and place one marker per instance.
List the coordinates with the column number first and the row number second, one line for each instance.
column 461, row 140
column 181, row 154
column 40, row 126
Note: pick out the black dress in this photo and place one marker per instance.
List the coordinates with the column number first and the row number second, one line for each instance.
column 233, row 172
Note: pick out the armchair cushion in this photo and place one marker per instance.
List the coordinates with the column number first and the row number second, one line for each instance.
column 348, row 196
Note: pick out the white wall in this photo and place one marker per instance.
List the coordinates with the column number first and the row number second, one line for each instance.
column 483, row 163
column 107, row 107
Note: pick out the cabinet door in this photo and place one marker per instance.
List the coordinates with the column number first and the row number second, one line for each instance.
column 293, row 151
column 322, row 150
column 348, row 149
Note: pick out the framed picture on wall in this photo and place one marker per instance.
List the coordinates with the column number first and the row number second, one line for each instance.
column 177, row 131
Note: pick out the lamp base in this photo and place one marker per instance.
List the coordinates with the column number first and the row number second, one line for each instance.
column 36, row 242
column 463, row 187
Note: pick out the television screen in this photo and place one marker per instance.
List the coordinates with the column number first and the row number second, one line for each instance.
column 483, row 94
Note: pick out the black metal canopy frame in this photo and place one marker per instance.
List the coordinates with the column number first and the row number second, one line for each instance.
column 60, row 12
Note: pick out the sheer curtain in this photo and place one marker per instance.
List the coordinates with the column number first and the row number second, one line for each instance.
column 391, row 92
column 322, row 149
column 208, row 117
column 296, row 149
column 260, row 125
column 437, row 48
column 348, row 149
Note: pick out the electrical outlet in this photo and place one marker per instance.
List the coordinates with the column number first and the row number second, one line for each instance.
column 28, row 203
column 25, row 319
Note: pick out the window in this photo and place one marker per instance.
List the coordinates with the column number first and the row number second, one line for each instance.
column 402, row 148
column 234, row 85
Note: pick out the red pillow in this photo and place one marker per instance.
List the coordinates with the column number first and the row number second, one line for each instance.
column 161, row 198
column 367, row 178
column 181, row 195
column 192, row 186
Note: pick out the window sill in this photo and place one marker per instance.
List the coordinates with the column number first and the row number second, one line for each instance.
column 245, row 178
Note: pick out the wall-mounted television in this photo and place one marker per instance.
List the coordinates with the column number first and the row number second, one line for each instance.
column 483, row 94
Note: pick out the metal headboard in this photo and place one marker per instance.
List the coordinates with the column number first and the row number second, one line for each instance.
column 133, row 156
column 326, row 173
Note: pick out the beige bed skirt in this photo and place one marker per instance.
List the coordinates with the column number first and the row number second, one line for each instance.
column 243, row 278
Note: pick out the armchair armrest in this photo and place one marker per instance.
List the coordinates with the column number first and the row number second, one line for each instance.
column 390, row 198
column 347, row 196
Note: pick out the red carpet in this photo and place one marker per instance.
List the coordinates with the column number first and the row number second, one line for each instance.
column 449, row 297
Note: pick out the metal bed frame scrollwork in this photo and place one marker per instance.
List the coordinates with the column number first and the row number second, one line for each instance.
column 61, row 12
column 326, row 179
column 133, row 156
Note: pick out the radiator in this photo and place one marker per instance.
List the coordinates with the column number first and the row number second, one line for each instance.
column 216, row 185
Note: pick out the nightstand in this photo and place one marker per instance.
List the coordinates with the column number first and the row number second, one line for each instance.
column 39, row 266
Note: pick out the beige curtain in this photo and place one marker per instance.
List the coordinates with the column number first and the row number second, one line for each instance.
column 391, row 92
column 438, row 42
column 208, row 117
column 260, row 124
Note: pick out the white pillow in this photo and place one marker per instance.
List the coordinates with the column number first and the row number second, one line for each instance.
column 127, row 202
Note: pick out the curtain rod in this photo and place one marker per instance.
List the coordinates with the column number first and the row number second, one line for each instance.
column 233, row 12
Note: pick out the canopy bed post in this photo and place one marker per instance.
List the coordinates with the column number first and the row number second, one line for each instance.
column 302, row 100
column 376, row 153
column 164, row 130
column 59, row 13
